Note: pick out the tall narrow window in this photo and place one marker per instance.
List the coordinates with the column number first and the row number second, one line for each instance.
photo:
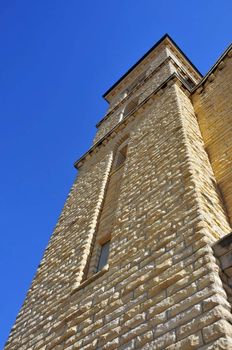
column 121, row 157
column 104, row 254
column 101, row 245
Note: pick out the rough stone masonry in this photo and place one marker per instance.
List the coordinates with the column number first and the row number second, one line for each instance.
column 141, row 257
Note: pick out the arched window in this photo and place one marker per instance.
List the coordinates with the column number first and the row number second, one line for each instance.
column 131, row 106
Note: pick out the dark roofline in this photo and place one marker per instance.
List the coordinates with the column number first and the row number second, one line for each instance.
column 144, row 56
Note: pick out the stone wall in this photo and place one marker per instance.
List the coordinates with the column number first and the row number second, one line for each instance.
column 213, row 105
column 223, row 252
column 142, row 90
column 166, row 284
column 162, row 288
column 155, row 59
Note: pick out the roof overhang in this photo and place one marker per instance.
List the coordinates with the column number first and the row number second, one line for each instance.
column 165, row 39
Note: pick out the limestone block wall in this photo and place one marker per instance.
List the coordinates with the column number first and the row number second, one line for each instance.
column 155, row 81
column 142, row 91
column 213, row 106
column 162, row 73
column 206, row 188
column 65, row 257
column 162, row 288
column 108, row 124
column 155, row 59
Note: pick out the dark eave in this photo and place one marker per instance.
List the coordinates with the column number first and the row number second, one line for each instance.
column 166, row 36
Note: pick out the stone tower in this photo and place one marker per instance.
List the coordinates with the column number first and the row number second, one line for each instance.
column 140, row 257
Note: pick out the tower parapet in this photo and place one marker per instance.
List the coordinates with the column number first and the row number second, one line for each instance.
column 156, row 66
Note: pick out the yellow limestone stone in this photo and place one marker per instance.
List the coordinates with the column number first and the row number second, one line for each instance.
column 140, row 257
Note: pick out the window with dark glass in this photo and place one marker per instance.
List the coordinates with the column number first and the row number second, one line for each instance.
column 121, row 157
column 131, row 106
column 104, row 254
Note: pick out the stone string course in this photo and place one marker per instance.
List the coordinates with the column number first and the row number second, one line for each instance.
column 168, row 279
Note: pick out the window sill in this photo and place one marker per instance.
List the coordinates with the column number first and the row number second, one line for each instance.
column 91, row 279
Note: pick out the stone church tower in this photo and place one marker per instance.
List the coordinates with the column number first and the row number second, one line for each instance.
column 140, row 257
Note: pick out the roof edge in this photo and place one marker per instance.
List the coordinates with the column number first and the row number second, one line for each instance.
column 165, row 36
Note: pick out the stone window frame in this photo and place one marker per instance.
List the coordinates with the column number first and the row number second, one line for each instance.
column 100, row 239
column 101, row 244
column 130, row 106
column 95, row 253
column 120, row 157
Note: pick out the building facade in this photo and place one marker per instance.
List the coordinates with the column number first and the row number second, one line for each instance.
column 141, row 255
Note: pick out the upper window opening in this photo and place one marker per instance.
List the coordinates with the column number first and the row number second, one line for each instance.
column 131, row 106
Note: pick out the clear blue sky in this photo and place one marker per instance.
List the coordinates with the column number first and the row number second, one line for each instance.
column 57, row 59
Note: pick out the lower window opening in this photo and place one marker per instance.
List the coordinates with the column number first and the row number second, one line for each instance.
column 104, row 254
